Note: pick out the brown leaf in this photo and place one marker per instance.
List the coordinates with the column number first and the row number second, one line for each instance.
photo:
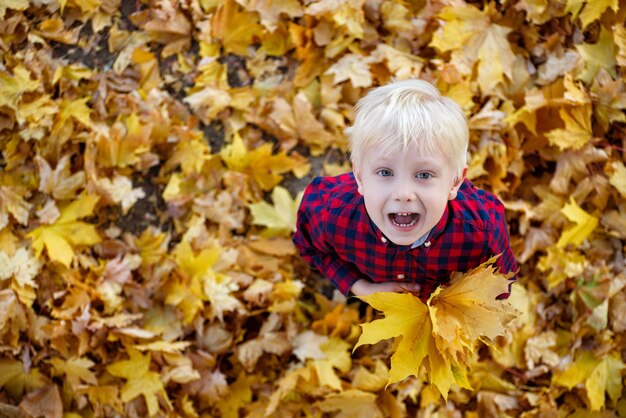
column 44, row 402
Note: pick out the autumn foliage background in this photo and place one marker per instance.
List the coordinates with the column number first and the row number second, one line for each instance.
column 152, row 154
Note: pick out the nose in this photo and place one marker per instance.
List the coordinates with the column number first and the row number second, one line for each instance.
column 404, row 192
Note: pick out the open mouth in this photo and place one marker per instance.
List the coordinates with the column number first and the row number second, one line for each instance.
column 404, row 219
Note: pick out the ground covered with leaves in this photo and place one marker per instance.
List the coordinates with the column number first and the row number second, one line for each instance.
column 152, row 154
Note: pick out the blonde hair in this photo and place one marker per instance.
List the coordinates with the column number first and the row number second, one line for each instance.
column 396, row 115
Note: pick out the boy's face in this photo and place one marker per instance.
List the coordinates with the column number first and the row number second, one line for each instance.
column 406, row 192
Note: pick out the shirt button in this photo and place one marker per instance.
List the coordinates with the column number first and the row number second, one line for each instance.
column 427, row 244
column 400, row 276
column 384, row 240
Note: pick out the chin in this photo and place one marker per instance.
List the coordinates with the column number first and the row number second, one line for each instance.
column 402, row 241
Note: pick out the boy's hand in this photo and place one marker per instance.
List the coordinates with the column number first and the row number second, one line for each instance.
column 365, row 287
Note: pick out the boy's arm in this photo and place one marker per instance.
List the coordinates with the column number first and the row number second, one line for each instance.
column 364, row 287
column 499, row 243
column 316, row 253
column 312, row 243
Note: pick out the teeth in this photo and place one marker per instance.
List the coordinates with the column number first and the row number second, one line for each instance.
column 411, row 224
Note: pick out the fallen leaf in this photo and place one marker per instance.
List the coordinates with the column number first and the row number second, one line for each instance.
column 446, row 329
column 15, row 86
column 352, row 67
column 235, row 28
column 618, row 177
column 140, row 380
column 598, row 55
column 593, row 10
column 280, row 219
column 76, row 370
column 584, row 225
column 598, row 374
column 43, row 402
column 67, row 232
column 351, row 403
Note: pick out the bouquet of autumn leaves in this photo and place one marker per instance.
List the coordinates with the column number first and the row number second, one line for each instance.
column 441, row 335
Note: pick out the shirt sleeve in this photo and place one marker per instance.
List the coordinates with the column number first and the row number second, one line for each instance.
column 499, row 243
column 313, row 244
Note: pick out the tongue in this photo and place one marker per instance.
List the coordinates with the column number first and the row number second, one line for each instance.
column 403, row 219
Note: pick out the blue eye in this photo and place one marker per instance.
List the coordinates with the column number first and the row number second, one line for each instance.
column 384, row 172
column 423, row 176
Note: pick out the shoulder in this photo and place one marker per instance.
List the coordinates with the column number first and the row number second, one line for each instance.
column 331, row 192
column 477, row 206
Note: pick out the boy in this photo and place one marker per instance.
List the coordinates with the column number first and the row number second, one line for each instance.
column 406, row 217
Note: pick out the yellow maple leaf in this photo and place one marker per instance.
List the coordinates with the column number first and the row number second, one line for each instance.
column 195, row 265
column 464, row 311
column 36, row 117
column 471, row 36
column 75, row 369
column 280, row 219
column 67, row 231
column 77, row 110
column 598, row 55
column 188, row 294
column 396, row 17
column 407, row 317
column 12, row 88
column 337, row 357
column 140, row 380
column 239, row 394
column 235, row 28
column 577, row 132
column 288, row 382
column 599, row 375
column 445, row 330
column 371, row 381
column 191, row 155
column 562, row 265
column 152, row 245
column 592, row 10
column 585, row 224
column 263, row 166
column 122, row 145
column 16, row 380
column 185, row 296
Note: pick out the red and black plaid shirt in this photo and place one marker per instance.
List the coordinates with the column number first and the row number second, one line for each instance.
column 336, row 236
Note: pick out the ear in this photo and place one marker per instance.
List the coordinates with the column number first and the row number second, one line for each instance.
column 357, row 177
column 456, row 184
